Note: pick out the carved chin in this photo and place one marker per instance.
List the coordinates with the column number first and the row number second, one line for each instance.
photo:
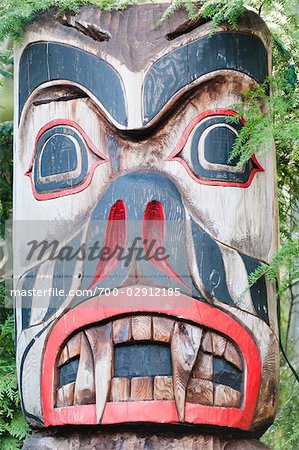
column 149, row 367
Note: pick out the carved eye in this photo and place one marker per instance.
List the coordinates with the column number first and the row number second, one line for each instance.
column 64, row 159
column 205, row 149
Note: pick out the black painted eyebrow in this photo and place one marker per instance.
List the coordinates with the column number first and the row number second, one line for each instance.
column 49, row 61
column 234, row 51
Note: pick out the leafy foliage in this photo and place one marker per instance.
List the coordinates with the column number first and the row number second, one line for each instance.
column 13, row 428
column 284, row 433
column 278, row 119
column 6, row 138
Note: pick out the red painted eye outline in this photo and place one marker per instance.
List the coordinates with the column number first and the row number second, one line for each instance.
column 256, row 166
column 84, row 139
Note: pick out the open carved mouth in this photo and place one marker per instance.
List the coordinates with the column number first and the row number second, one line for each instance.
column 115, row 360
column 145, row 358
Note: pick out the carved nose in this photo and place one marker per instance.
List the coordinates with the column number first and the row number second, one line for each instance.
column 152, row 241
column 143, row 208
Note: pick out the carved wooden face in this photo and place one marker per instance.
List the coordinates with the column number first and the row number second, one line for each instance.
column 124, row 134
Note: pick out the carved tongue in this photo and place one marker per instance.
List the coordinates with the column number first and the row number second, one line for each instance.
column 100, row 340
column 185, row 344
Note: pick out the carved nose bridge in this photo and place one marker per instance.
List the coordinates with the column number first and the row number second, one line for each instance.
column 138, row 210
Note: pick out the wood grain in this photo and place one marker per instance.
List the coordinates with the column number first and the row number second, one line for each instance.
column 141, row 388
column 162, row 329
column 71, row 349
column 218, row 344
column 163, row 388
column 141, row 327
column 206, row 345
column 122, row 330
column 57, row 439
column 200, row 391
column 232, row 355
column 203, row 367
column 120, row 389
column 65, row 395
column 184, row 348
column 100, row 340
column 227, row 396
column 85, row 384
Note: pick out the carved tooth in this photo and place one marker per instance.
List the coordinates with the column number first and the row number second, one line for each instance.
column 141, row 327
column 200, row 391
column 162, row 329
column 100, row 340
column 184, row 348
column 85, row 386
column 71, row 349
column 122, row 330
column 163, row 388
column 219, row 343
column 141, row 388
column 232, row 355
column 226, row 396
column 207, row 345
column 65, row 395
column 120, row 389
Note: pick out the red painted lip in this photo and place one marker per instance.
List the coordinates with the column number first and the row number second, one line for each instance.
column 182, row 307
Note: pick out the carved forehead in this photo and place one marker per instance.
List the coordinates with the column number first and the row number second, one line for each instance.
column 142, row 73
column 132, row 36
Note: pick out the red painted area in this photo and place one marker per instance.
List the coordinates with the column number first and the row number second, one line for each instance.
column 153, row 233
column 115, row 236
column 184, row 307
column 174, row 155
column 89, row 144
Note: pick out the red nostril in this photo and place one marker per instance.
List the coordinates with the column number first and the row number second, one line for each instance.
column 154, row 211
column 115, row 237
column 118, row 211
column 153, row 230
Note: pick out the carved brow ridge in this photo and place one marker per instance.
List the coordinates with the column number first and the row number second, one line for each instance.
column 49, row 61
column 174, row 71
column 224, row 50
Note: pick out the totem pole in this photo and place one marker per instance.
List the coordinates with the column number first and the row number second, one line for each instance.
column 135, row 234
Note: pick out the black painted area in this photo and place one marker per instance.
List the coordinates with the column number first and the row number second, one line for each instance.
column 59, row 156
column 47, row 61
column 231, row 50
column 259, row 290
column 218, row 146
column 210, row 265
column 57, row 160
column 227, row 374
column 216, row 149
column 24, row 356
column 68, row 372
column 142, row 360
column 27, row 286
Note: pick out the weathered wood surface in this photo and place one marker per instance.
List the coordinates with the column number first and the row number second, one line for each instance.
column 141, row 388
column 162, row 329
column 163, row 388
column 100, row 340
column 142, row 327
column 120, row 390
column 55, row 440
column 122, row 330
column 184, row 346
column 85, row 381
column 109, row 73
